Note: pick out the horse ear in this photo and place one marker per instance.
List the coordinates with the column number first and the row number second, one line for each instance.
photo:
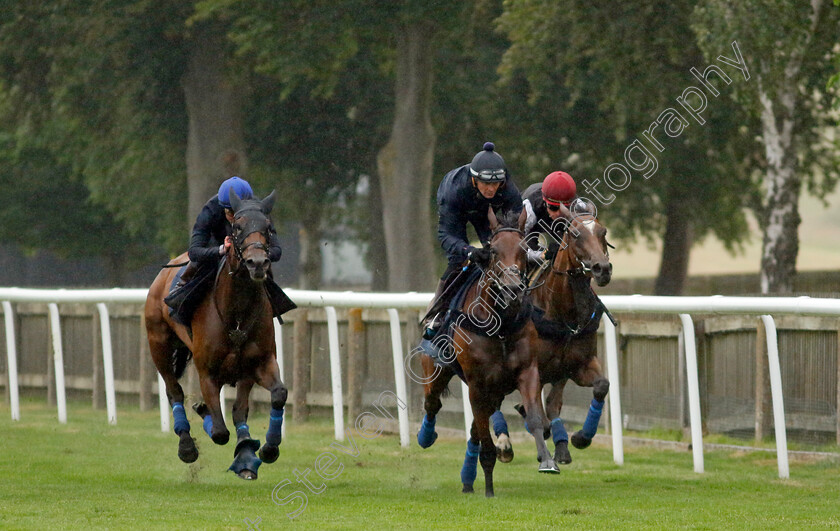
column 235, row 201
column 268, row 202
column 523, row 218
column 491, row 216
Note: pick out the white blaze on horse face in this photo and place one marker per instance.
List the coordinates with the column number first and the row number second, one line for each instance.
column 589, row 224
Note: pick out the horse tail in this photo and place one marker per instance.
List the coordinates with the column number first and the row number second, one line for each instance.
column 182, row 357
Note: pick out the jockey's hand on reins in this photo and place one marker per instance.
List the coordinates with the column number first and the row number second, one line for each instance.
column 481, row 256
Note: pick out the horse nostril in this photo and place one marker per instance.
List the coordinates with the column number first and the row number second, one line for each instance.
column 596, row 269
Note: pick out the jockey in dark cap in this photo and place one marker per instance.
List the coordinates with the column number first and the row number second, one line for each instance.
column 210, row 240
column 464, row 196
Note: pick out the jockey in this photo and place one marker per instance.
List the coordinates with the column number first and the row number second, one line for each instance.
column 210, row 241
column 464, row 196
column 542, row 203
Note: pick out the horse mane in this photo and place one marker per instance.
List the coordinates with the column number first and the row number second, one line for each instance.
column 508, row 219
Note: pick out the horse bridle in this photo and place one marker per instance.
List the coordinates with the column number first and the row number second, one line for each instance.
column 506, row 272
column 582, row 269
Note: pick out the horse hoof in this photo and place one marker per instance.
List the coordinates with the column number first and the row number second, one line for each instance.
column 548, row 467
column 504, row 450
column 201, row 409
column 489, row 494
column 468, row 489
column 221, row 437
column 579, row 441
column 187, row 452
column 247, row 474
column 561, row 453
column 269, row 454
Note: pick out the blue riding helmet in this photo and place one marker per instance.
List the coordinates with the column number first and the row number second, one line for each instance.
column 240, row 186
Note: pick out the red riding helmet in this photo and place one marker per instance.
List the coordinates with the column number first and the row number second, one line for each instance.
column 558, row 187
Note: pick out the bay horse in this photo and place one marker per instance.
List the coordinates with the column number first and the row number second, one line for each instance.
column 231, row 341
column 491, row 345
column 567, row 314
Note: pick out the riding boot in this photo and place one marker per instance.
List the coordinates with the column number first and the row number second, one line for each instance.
column 187, row 275
column 443, row 294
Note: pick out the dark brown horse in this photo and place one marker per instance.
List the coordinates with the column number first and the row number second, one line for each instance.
column 231, row 341
column 491, row 344
column 567, row 317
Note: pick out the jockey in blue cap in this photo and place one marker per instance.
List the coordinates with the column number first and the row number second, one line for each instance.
column 210, row 240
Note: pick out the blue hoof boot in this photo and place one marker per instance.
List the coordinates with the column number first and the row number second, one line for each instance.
column 245, row 462
column 426, row 438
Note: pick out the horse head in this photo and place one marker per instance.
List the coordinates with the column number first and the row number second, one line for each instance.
column 251, row 225
column 508, row 265
column 586, row 242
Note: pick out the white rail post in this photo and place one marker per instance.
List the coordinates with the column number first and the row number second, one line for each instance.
column 108, row 363
column 468, row 414
column 11, row 356
column 278, row 343
column 335, row 370
column 614, row 396
column 693, row 391
column 164, row 405
column 776, row 394
column 58, row 360
column 399, row 375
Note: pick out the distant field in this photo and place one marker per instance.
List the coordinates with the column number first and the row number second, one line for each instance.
column 89, row 475
column 819, row 235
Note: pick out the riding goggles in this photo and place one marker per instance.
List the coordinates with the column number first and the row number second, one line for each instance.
column 489, row 176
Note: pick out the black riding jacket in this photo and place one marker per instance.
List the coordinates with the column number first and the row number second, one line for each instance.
column 533, row 194
column 459, row 202
column 210, row 230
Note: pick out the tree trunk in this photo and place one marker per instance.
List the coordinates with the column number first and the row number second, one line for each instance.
column 405, row 165
column 216, row 140
column 676, row 249
column 310, row 252
column 377, row 250
column 781, row 219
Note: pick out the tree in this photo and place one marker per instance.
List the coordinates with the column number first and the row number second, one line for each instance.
column 787, row 47
column 597, row 77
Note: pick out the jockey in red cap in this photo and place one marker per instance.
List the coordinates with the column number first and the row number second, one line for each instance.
column 542, row 202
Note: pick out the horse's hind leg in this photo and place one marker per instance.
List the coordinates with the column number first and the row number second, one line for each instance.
column 504, row 449
column 433, row 389
column 245, row 462
column 470, row 467
column 591, row 375
column 269, row 377
column 553, row 405
column 164, row 357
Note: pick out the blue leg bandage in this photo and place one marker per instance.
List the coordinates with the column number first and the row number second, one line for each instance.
column 180, row 416
column 208, row 425
column 426, row 436
column 558, row 431
column 275, row 427
column 499, row 424
column 590, row 425
column 469, row 470
column 242, row 431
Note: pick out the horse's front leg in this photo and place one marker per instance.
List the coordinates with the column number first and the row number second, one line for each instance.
column 268, row 376
column 214, row 422
column 529, row 387
column 553, row 405
column 245, row 462
column 591, row 375
column 481, row 430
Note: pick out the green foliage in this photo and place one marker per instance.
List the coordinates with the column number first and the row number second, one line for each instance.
column 587, row 78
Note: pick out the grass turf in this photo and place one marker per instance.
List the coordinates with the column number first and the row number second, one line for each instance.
column 90, row 475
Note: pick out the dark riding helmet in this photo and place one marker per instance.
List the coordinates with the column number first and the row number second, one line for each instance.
column 488, row 166
column 240, row 186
